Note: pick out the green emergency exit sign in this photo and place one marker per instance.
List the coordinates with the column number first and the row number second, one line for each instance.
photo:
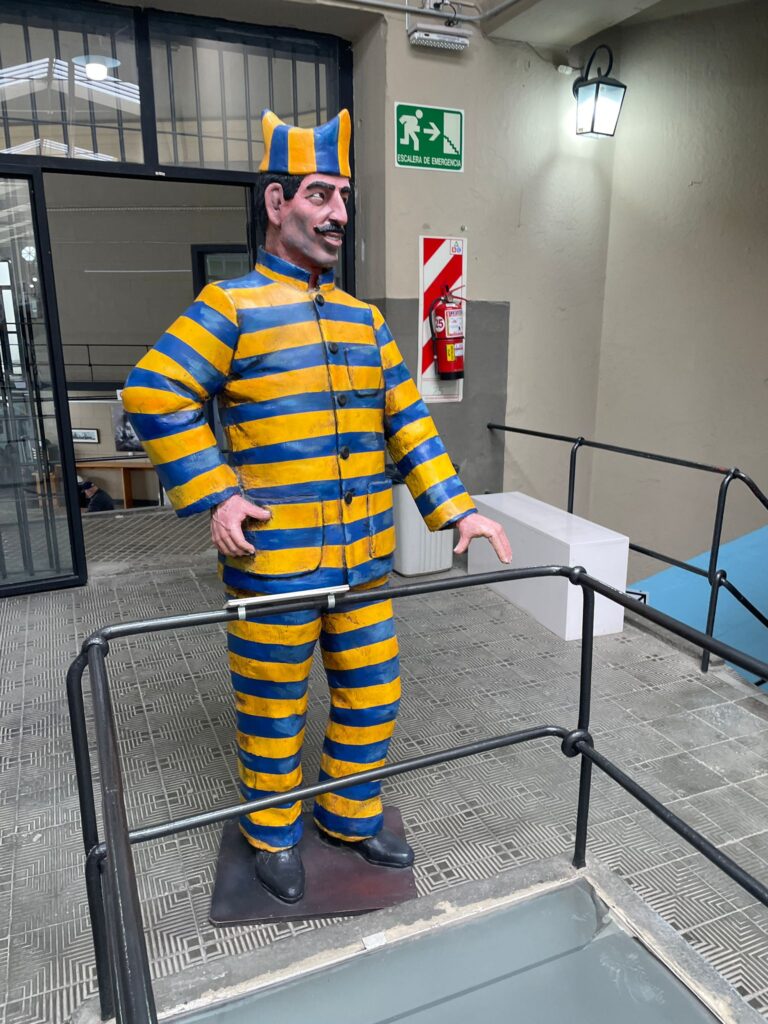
column 430, row 137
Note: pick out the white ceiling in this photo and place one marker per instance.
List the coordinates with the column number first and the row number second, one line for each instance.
column 560, row 24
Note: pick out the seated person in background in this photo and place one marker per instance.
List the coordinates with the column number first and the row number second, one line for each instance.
column 93, row 498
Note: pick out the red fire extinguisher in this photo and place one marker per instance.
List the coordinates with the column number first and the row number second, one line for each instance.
column 446, row 322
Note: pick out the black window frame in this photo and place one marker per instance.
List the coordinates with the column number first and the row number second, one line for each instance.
column 199, row 252
column 33, row 167
column 338, row 49
column 78, row 576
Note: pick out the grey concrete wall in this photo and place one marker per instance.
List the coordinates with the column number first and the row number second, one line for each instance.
column 371, row 208
column 533, row 203
column 123, row 273
column 683, row 364
column 477, row 452
column 122, row 261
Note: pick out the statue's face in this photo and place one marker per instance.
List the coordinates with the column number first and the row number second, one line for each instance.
column 309, row 229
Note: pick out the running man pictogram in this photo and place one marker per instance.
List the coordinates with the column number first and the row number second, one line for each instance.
column 411, row 129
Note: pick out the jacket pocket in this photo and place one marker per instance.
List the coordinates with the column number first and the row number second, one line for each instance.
column 365, row 381
column 290, row 543
column 381, row 524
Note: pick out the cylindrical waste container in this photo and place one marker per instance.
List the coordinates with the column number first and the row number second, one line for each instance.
column 417, row 550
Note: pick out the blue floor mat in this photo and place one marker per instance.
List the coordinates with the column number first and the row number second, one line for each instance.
column 686, row 596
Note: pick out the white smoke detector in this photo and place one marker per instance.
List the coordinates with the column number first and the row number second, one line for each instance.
column 447, row 38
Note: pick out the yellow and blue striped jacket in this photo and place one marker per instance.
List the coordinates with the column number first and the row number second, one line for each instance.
column 312, row 391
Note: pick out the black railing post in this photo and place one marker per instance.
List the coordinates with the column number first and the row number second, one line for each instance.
column 585, row 703
column 80, row 748
column 714, row 593
column 714, row 558
column 90, row 830
column 572, row 472
column 130, row 962
column 717, row 532
column 93, row 867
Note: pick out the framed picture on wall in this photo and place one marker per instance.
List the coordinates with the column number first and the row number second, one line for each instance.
column 126, row 439
column 85, row 435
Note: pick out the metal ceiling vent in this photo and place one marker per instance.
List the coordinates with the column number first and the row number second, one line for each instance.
column 450, row 36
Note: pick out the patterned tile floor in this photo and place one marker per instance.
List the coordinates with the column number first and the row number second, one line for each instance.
column 473, row 665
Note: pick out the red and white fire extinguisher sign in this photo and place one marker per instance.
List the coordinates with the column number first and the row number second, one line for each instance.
column 446, row 322
column 442, row 271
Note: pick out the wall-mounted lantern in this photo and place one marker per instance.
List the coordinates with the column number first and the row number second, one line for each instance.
column 598, row 99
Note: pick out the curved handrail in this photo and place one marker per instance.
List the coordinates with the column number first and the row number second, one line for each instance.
column 584, row 442
column 715, row 577
column 110, row 873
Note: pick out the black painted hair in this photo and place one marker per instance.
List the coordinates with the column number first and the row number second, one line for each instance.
column 290, row 185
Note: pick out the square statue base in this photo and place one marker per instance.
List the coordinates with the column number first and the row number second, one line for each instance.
column 339, row 881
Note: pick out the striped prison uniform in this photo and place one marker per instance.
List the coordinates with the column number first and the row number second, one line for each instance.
column 312, row 394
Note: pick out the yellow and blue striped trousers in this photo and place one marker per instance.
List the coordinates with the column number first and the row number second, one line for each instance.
column 270, row 659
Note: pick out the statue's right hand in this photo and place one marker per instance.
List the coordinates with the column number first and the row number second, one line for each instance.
column 227, row 525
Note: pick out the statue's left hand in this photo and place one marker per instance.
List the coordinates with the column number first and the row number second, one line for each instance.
column 476, row 525
column 227, row 525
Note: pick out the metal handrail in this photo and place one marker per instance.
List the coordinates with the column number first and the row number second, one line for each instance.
column 715, row 577
column 122, row 965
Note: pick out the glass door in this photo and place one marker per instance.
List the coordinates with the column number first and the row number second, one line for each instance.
column 37, row 549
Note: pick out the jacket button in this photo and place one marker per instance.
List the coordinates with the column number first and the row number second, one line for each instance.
column 348, row 498
column 320, row 300
column 344, row 452
column 333, row 347
column 341, row 399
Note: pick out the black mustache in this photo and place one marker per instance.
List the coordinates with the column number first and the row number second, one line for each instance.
column 333, row 228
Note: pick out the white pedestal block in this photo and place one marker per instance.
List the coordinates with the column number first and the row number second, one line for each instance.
column 541, row 534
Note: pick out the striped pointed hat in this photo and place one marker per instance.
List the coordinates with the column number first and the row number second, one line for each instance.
column 290, row 150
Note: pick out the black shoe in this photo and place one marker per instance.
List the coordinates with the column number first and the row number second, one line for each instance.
column 385, row 849
column 281, row 873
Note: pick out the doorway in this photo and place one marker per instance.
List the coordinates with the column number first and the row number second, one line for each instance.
column 37, row 545
column 129, row 256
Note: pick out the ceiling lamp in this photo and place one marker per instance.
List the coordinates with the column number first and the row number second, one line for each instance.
column 598, row 99
column 96, row 68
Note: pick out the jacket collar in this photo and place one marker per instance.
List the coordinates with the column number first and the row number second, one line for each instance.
column 278, row 269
